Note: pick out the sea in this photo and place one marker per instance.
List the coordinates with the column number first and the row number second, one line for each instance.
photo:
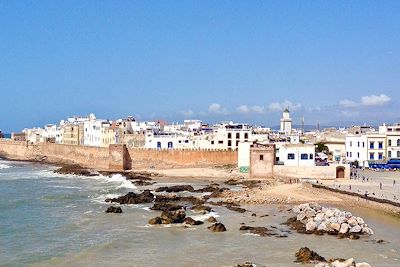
column 48, row 219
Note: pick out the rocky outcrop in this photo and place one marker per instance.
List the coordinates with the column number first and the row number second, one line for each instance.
column 201, row 209
column 191, row 221
column 235, row 208
column 319, row 220
column 174, row 198
column 246, row 183
column 76, row 170
column 306, row 255
column 168, row 217
column 211, row 219
column 175, row 188
column 165, row 206
column 246, row 264
column 217, row 227
column 261, row 231
column 113, row 209
column 131, row 198
column 142, row 183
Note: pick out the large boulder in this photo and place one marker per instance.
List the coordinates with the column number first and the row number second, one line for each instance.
column 311, row 225
column 113, row 209
column 335, row 226
column 156, row 220
column 165, row 206
column 176, row 216
column 305, row 255
column 355, row 229
column 352, row 221
column 175, row 188
column 191, row 221
column 344, row 228
column 131, row 198
column 217, row 227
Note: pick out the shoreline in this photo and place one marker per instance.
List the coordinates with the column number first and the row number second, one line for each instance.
column 269, row 191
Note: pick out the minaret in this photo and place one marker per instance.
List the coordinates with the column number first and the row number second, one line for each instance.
column 302, row 125
column 286, row 122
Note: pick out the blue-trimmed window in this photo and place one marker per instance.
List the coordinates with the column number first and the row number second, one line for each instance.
column 304, row 156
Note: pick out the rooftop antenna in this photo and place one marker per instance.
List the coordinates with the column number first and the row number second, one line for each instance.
column 318, row 125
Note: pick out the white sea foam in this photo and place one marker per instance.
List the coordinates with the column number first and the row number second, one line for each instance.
column 124, row 183
column 4, row 166
column 101, row 199
column 204, row 217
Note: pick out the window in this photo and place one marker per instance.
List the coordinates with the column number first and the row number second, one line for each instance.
column 229, row 143
column 169, row 144
column 261, row 157
column 380, row 145
column 212, row 142
column 311, row 156
column 398, row 154
column 237, row 143
column 363, row 144
column 398, row 142
column 371, row 145
column 389, row 142
column 220, row 142
column 347, row 153
column 389, row 154
column 304, row 156
column 358, row 154
column 351, row 143
column 371, row 156
column 229, row 135
column 358, row 144
column 158, row 144
column 351, row 154
column 237, row 135
column 380, row 155
column 290, row 156
column 246, row 136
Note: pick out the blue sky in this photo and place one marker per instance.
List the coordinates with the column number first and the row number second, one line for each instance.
column 333, row 61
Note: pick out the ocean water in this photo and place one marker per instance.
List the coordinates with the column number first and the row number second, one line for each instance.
column 48, row 219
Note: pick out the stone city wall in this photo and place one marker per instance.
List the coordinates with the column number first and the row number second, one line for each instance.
column 107, row 158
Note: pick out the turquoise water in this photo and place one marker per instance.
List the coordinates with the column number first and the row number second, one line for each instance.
column 58, row 220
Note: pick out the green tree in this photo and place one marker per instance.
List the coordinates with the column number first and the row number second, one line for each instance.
column 320, row 147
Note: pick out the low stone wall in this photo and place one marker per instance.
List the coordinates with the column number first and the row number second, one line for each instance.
column 114, row 157
column 313, row 172
column 187, row 157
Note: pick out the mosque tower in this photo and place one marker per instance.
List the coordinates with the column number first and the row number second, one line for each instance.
column 286, row 122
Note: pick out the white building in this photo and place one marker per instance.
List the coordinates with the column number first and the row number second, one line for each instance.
column 392, row 133
column 295, row 154
column 356, row 149
column 98, row 133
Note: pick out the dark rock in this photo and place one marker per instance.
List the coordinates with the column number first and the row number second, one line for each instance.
column 113, row 209
column 265, row 215
column 175, row 188
column 175, row 198
column 246, row 264
column 254, row 215
column 142, row 183
column 75, row 169
column 212, row 219
column 237, row 209
column 191, row 221
column 380, row 241
column 156, row 220
column 176, row 216
column 247, row 183
column 217, row 227
column 305, row 255
column 208, row 188
column 131, row 198
column 261, row 231
column 201, row 208
column 165, row 206
column 294, row 224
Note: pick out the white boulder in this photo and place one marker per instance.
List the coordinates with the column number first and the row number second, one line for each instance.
column 344, row 227
column 355, row 229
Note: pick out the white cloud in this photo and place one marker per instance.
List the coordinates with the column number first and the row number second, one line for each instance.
column 216, row 108
column 257, row 109
column 187, row 113
column 348, row 103
column 375, row 100
column 280, row 106
column 243, row 109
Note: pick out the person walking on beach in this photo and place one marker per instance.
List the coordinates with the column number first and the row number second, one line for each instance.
column 380, row 185
column 394, row 182
column 350, row 187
